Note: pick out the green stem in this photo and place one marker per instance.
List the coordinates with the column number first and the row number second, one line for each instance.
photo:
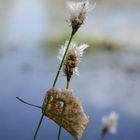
column 54, row 83
column 59, row 69
column 68, row 83
column 62, row 115
column 28, row 103
column 61, row 122
column 101, row 136
column 41, row 119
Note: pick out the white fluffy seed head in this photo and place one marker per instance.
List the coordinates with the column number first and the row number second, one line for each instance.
column 73, row 57
column 110, row 122
column 79, row 49
column 78, row 11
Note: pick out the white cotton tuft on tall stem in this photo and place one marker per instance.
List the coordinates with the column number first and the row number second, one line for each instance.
column 109, row 123
column 78, row 11
column 73, row 58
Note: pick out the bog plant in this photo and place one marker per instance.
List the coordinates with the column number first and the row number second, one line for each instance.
column 59, row 104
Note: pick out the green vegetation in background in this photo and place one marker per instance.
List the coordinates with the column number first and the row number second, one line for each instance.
column 100, row 43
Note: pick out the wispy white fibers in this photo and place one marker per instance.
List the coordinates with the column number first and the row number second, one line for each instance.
column 110, row 122
column 78, row 11
column 73, row 57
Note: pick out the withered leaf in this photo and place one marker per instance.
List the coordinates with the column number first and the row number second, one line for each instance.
column 74, row 119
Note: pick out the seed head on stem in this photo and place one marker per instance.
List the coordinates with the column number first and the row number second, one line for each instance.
column 109, row 124
column 78, row 11
column 72, row 59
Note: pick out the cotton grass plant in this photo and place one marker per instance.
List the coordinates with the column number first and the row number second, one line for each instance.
column 59, row 104
column 109, row 124
column 78, row 11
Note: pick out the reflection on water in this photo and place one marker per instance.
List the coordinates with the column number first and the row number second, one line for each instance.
column 28, row 72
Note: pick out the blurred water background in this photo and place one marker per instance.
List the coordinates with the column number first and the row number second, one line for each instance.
column 31, row 32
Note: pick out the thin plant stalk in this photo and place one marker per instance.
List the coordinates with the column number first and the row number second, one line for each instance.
column 54, row 83
column 28, row 103
column 59, row 69
column 68, row 83
column 101, row 136
column 41, row 119
column 62, row 115
column 61, row 122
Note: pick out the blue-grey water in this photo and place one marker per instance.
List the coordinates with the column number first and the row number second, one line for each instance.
column 109, row 81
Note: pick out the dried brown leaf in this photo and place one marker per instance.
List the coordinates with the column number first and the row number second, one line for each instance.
column 74, row 120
